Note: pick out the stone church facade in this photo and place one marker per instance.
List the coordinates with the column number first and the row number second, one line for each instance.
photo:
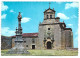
column 52, row 34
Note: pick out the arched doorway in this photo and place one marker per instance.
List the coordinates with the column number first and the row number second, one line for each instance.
column 48, row 45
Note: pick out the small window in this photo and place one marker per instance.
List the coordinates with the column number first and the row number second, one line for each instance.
column 48, row 28
column 26, row 45
column 50, row 16
column 44, row 38
column 47, row 16
column 33, row 40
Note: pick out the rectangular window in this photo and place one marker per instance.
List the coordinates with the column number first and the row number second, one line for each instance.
column 33, row 40
column 50, row 16
column 26, row 45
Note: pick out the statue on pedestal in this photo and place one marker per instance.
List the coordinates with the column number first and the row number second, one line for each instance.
column 19, row 42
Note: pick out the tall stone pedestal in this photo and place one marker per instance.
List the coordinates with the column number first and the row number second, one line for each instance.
column 18, row 49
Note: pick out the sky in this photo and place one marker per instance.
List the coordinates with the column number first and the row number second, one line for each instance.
column 32, row 15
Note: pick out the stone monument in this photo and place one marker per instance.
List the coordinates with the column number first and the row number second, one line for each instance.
column 19, row 42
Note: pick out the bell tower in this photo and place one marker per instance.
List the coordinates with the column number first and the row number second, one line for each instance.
column 49, row 13
column 49, row 16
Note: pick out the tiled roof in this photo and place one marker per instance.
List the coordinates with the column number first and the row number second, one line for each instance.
column 29, row 35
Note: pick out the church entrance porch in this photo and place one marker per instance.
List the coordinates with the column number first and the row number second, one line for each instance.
column 49, row 45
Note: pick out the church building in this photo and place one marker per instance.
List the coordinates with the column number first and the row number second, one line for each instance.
column 52, row 34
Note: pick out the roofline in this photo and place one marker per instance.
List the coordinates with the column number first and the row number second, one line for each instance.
column 48, row 9
column 27, row 37
column 67, row 29
column 52, row 23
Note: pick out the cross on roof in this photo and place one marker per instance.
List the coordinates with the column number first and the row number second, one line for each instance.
column 49, row 4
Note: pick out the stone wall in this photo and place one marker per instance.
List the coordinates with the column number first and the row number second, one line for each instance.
column 49, row 21
column 55, row 34
column 27, row 42
column 41, row 37
column 69, row 40
column 63, row 41
column 6, row 42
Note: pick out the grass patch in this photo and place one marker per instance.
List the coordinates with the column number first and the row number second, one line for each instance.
column 44, row 53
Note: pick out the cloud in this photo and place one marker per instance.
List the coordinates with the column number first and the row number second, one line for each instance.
column 7, row 32
column 70, row 25
column 62, row 16
column 11, row 10
column 73, row 16
column 3, row 16
column 70, row 5
column 25, row 19
column 3, row 7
